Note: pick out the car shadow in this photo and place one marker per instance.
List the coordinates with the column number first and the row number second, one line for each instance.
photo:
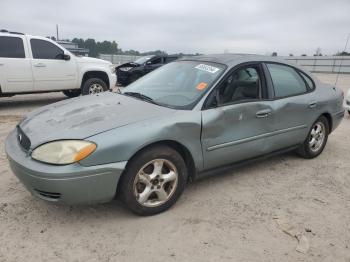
column 26, row 102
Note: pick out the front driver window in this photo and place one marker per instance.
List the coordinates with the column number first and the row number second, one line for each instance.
column 42, row 49
column 243, row 84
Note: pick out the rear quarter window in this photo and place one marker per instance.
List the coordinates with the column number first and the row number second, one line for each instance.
column 11, row 47
column 286, row 81
column 308, row 81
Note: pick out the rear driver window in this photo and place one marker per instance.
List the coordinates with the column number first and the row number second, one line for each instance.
column 11, row 47
column 286, row 81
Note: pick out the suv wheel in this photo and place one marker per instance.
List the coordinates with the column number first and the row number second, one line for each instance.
column 94, row 86
column 316, row 140
column 153, row 180
column 72, row 93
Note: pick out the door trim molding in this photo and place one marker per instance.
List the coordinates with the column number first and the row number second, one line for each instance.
column 252, row 138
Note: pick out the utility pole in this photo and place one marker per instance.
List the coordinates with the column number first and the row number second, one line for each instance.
column 57, row 32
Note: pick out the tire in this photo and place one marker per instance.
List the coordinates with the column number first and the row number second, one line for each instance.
column 72, row 93
column 93, row 86
column 316, row 140
column 155, row 189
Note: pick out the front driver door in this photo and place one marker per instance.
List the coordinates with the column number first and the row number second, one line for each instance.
column 238, row 127
column 50, row 70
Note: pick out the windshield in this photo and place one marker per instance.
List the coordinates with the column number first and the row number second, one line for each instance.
column 178, row 84
column 143, row 59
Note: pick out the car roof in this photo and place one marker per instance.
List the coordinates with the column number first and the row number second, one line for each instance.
column 234, row 59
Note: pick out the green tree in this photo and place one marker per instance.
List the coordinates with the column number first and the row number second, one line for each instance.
column 92, row 46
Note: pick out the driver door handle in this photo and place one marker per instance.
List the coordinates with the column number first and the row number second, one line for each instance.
column 263, row 113
column 40, row 65
column 313, row 104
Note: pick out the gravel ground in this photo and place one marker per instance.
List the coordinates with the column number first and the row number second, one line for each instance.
column 254, row 213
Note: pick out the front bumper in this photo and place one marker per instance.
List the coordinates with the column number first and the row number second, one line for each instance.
column 123, row 77
column 68, row 184
column 112, row 81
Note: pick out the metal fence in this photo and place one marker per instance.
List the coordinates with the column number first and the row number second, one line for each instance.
column 323, row 64
column 118, row 59
column 315, row 64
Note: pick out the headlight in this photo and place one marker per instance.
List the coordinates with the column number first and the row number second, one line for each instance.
column 125, row 68
column 112, row 67
column 63, row 152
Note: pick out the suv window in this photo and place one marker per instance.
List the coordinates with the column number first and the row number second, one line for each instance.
column 11, row 47
column 42, row 49
column 286, row 80
column 242, row 84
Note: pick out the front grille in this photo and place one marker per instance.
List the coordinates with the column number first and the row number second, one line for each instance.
column 51, row 195
column 23, row 140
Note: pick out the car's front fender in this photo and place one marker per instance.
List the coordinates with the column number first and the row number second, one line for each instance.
column 120, row 144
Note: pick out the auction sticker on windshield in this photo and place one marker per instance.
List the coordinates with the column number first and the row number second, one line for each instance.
column 207, row 68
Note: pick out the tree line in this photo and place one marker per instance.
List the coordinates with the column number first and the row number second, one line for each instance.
column 108, row 47
column 111, row 47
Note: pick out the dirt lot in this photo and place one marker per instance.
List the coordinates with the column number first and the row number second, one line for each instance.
column 244, row 215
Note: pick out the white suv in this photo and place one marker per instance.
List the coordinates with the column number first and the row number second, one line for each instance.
column 32, row 64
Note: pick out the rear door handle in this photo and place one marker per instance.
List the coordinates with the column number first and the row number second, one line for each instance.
column 40, row 65
column 263, row 113
column 312, row 104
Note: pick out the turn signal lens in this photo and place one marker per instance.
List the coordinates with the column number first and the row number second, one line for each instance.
column 85, row 152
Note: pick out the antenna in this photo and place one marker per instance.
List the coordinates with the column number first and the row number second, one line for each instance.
column 57, row 32
column 341, row 61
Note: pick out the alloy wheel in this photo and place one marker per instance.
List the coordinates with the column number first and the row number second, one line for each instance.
column 95, row 89
column 317, row 136
column 155, row 183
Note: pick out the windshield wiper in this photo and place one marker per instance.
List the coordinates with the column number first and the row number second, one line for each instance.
column 141, row 96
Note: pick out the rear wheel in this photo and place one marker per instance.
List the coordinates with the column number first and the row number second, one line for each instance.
column 153, row 180
column 94, row 86
column 72, row 93
column 316, row 140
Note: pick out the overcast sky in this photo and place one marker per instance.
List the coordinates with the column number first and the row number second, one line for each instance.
column 189, row 26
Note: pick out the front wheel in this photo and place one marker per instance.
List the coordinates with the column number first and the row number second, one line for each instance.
column 153, row 180
column 94, row 86
column 316, row 139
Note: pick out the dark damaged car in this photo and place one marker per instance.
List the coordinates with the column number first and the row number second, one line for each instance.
column 129, row 72
column 180, row 122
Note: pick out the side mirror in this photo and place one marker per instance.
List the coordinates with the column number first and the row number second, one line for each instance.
column 66, row 57
column 148, row 63
column 214, row 99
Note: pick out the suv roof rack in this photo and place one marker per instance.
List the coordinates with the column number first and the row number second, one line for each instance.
column 7, row 31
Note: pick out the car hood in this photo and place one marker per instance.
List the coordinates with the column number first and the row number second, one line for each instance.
column 130, row 64
column 82, row 117
column 85, row 59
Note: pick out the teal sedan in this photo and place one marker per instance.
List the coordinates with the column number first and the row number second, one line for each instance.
column 192, row 117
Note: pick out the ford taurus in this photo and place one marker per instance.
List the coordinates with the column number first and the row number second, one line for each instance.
column 189, row 118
